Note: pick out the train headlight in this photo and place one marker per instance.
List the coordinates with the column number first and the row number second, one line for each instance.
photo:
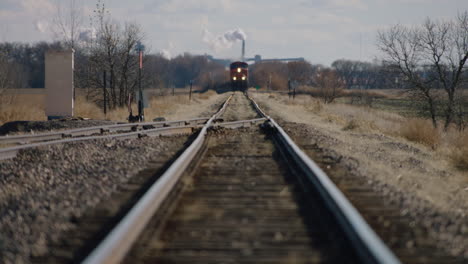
column 243, row 78
column 238, row 69
column 234, row 78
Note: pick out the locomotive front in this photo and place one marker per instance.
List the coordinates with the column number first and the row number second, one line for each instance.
column 239, row 75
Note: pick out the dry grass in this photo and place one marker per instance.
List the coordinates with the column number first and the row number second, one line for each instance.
column 31, row 107
column 21, row 107
column 375, row 94
column 420, row 131
column 459, row 154
column 87, row 109
column 451, row 144
column 159, row 106
column 353, row 124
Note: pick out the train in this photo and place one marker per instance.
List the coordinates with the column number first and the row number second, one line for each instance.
column 239, row 74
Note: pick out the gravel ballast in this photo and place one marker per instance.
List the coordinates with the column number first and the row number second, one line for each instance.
column 43, row 189
column 21, row 127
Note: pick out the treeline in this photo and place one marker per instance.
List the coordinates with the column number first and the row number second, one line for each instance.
column 352, row 74
column 24, row 64
column 106, row 62
column 179, row 71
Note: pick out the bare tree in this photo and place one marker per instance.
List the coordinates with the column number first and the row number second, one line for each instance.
column 330, row 85
column 347, row 69
column 431, row 56
column 300, row 71
column 4, row 72
column 113, row 60
column 128, row 65
column 10, row 72
column 270, row 74
column 68, row 22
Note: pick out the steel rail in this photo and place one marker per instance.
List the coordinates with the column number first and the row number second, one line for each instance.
column 10, row 152
column 117, row 243
column 366, row 242
column 87, row 131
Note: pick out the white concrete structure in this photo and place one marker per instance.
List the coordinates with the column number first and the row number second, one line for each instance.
column 59, row 66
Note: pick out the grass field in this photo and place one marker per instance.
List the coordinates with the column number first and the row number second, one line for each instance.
column 31, row 107
column 392, row 114
column 402, row 103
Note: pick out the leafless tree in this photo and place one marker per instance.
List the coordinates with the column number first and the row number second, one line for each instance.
column 431, row 56
column 347, row 69
column 329, row 84
column 128, row 64
column 68, row 22
column 4, row 73
column 10, row 73
column 112, row 53
column 270, row 74
column 301, row 72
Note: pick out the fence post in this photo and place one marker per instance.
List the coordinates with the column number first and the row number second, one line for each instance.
column 105, row 93
column 190, row 94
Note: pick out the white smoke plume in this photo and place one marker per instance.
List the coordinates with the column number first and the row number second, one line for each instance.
column 166, row 54
column 41, row 26
column 224, row 41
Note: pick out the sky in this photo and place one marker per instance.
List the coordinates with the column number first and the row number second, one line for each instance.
column 321, row 31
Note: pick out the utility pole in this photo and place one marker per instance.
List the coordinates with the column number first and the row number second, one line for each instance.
column 289, row 87
column 269, row 83
column 293, row 88
column 190, row 94
column 294, row 91
column 141, row 114
column 104, row 93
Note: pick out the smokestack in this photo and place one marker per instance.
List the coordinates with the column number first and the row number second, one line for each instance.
column 243, row 50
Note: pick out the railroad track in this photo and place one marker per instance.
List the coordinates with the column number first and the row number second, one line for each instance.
column 233, row 196
column 118, row 131
column 95, row 130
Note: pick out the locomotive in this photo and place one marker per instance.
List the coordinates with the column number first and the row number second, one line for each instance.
column 239, row 75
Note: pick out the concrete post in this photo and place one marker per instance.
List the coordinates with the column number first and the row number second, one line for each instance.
column 59, row 67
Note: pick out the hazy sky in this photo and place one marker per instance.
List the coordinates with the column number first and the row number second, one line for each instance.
column 319, row 30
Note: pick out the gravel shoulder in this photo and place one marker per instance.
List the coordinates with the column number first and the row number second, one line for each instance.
column 409, row 175
column 43, row 189
column 22, row 127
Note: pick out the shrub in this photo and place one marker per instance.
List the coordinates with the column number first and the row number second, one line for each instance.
column 420, row 131
column 329, row 84
column 87, row 109
column 351, row 125
column 460, row 155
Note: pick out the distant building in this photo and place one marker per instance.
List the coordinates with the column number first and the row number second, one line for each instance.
column 256, row 59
